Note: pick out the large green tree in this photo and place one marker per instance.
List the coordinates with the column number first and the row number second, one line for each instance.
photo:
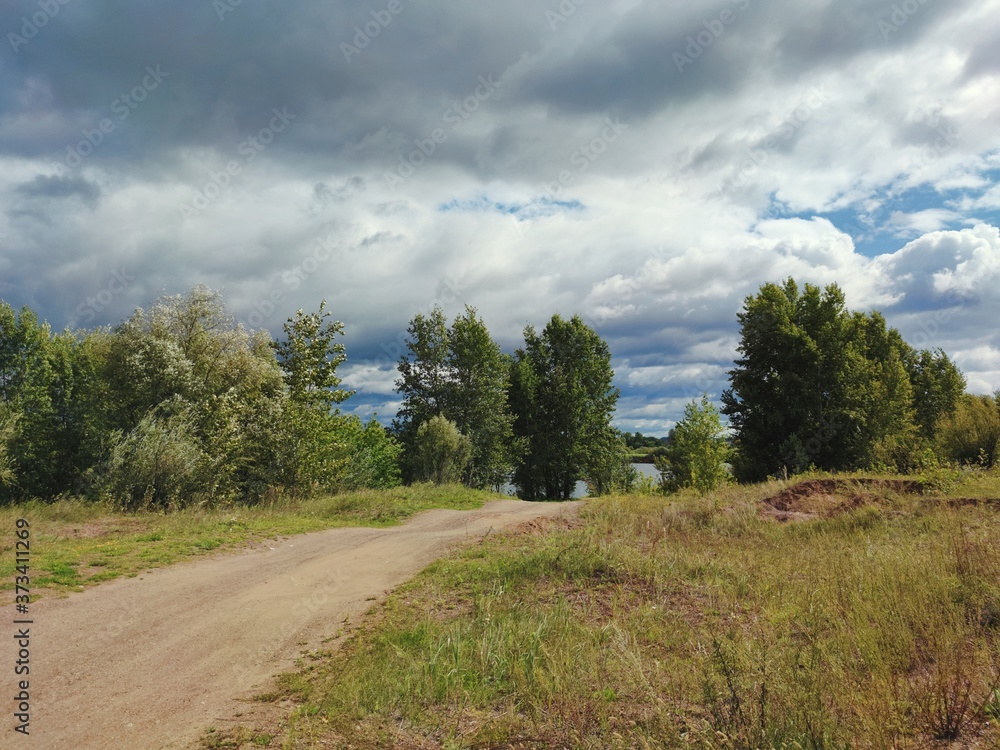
column 457, row 372
column 423, row 382
column 43, row 377
column 317, row 438
column 938, row 385
column 309, row 356
column 563, row 399
column 477, row 400
column 185, row 371
column 818, row 385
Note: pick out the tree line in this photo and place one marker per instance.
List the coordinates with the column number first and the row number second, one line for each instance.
column 539, row 418
column 179, row 404
column 817, row 386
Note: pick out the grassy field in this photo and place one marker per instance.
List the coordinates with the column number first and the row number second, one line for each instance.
column 865, row 619
column 75, row 543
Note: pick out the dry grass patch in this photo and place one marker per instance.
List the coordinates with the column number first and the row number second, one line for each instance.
column 686, row 622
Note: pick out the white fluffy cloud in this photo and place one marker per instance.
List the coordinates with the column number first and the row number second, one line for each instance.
column 497, row 155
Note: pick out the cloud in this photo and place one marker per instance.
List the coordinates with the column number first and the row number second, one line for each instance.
column 594, row 172
column 55, row 186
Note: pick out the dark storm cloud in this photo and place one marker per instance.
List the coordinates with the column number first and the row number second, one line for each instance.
column 61, row 187
column 154, row 99
column 225, row 75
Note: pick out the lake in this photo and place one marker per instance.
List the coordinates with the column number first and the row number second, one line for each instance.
column 581, row 487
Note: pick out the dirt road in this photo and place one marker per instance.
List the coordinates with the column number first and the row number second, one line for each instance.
column 150, row 662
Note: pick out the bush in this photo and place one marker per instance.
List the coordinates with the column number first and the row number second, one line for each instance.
column 609, row 468
column 442, row 452
column 374, row 462
column 158, row 464
column 971, row 435
column 698, row 452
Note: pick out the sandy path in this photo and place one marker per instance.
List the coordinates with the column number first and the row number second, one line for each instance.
column 148, row 663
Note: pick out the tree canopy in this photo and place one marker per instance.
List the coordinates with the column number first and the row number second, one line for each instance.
column 457, row 372
column 563, row 400
column 818, row 385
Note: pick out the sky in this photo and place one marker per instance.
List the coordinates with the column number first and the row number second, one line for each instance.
column 647, row 165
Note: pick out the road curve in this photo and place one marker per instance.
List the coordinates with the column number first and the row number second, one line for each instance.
column 148, row 663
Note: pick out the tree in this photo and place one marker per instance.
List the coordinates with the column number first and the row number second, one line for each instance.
column 188, row 358
column 309, row 357
column 158, row 464
column 317, row 449
column 442, row 451
column 563, row 399
column 423, row 382
column 938, row 385
column 698, row 452
column 816, row 385
column 610, row 468
column 477, row 400
column 638, row 440
column 41, row 376
column 374, row 456
column 458, row 372
column 8, row 426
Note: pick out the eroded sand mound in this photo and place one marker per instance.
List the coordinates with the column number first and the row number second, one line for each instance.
column 828, row 497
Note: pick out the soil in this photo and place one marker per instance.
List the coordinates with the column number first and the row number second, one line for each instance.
column 152, row 662
column 829, row 497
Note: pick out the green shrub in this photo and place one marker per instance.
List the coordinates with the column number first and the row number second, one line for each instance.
column 698, row 451
column 159, row 464
column 374, row 461
column 442, row 451
column 971, row 435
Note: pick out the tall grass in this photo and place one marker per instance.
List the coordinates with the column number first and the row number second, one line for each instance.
column 685, row 622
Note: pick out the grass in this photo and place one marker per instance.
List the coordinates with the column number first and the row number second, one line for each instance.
column 682, row 622
column 644, row 455
column 75, row 544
